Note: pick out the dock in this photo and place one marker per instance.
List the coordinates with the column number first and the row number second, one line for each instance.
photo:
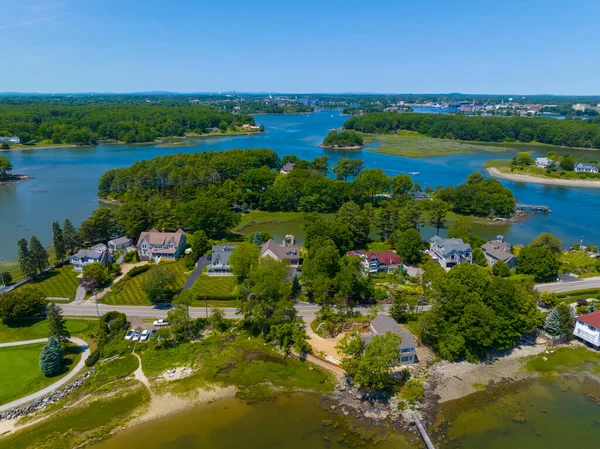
column 423, row 432
column 534, row 207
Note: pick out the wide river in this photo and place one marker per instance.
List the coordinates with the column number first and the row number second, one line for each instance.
column 65, row 180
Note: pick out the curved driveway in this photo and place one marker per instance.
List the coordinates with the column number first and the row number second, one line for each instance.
column 56, row 385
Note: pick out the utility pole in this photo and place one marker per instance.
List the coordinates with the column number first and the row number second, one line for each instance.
column 206, row 305
column 96, row 298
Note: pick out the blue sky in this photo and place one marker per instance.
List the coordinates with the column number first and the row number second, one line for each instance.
column 404, row 46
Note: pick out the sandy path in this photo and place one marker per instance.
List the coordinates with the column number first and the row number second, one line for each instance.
column 323, row 345
column 547, row 181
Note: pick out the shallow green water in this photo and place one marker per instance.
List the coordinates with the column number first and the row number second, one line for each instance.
column 292, row 422
column 547, row 413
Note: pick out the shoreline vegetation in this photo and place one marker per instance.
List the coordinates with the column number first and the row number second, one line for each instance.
column 11, row 179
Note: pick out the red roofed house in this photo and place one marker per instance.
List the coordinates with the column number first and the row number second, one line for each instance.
column 587, row 327
column 377, row 262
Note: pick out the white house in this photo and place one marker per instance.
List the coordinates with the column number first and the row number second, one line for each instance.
column 219, row 262
column 120, row 243
column 586, row 167
column 449, row 252
column 157, row 245
column 278, row 251
column 13, row 139
column 587, row 327
column 407, row 351
column 543, row 162
column 97, row 253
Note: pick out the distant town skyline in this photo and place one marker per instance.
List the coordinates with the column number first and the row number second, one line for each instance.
column 435, row 46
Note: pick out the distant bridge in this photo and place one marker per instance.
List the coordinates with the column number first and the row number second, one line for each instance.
column 533, row 207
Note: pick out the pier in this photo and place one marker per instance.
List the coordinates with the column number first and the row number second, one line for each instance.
column 533, row 207
column 423, row 432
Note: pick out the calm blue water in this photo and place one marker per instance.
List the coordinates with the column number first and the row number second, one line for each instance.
column 66, row 180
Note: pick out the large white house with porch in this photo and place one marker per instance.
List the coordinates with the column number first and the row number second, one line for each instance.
column 587, row 327
column 97, row 253
column 156, row 245
column 449, row 252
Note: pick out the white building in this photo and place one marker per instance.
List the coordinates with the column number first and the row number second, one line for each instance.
column 159, row 245
column 219, row 262
column 97, row 253
column 449, row 252
column 543, row 162
column 587, row 327
column 586, row 167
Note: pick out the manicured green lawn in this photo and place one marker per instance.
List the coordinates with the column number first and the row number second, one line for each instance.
column 58, row 283
column 22, row 330
column 20, row 371
column 268, row 217
column 12, row 266
column 215, row 287
column 132, row 293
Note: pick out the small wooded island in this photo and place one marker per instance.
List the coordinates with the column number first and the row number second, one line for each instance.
column 5, row 175
column 344, row 140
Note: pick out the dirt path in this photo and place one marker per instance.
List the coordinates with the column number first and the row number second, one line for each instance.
column 539, row 180
column 326, row 346
column 125, row 268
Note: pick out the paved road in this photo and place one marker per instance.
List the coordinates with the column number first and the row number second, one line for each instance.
column 202, row 262
column 560, row 287
column 56, row 385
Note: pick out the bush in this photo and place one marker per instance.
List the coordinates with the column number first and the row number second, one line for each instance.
column 22, row 302
column 7, row 277
column 136, row 271
column 190, row 260
column 413, row 390
column 131, row 256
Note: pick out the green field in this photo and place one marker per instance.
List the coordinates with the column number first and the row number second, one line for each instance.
column 412, row 144
column 22, row 330
column 58, row 283
column 12, row 266
column 580, row 263
column 259, row 217
column 131, row 292
column 20, row 364
column 215, row 287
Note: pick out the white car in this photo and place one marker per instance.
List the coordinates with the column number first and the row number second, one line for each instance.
column 129, row 335
column 144, row 336
column 136, row 336
column 160, row 322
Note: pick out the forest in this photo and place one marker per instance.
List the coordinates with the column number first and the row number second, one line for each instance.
column 568, row 132
column 343, row 139
column 86, row 123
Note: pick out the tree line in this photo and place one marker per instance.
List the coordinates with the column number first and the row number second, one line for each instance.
column 570, row 133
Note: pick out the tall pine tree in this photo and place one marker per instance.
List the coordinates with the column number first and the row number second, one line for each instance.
column 59, row 242
column 257, row 240
column 51, row 358
column 70, row 236
column 57, row 323
column 552, row 324
column 39, row 256
column 25, row 260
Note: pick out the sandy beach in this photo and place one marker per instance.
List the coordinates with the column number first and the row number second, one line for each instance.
column 547, row 181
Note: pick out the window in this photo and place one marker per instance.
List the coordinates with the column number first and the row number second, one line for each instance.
column 592, row 328
column 406, row 358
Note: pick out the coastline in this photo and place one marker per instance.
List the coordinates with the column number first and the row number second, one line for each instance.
column 492, row 171
column 336, row 147
column 15, row 178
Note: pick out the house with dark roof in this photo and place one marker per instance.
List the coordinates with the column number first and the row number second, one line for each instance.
column 156, row 245
column 277, row 251
column 587, row 327
column 419, row 196
column 449, row 252
column 377, row 261
column 120, row 243
column 286, row 168
column 407, row 351
column 219, row 262
column 498, row 249
column 97, row 253
column 586, row 167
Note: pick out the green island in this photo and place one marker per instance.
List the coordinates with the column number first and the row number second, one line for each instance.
column 343, row 140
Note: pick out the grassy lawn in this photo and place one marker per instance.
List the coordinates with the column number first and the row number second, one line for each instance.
column 503, row 166
column 20, row 364
column 412, row 144
column 566, row 359
column 132, row 294
column 33, row 329
column 579, row 262
column 12, row 266
column 80, row 425
column 215, row 287
column 257, row 217
column 58, row 283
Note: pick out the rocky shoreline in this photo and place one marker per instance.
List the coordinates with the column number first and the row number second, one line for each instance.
column 11, row 179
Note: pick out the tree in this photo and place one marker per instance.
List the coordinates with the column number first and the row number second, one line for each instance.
column 559, row 320
column 402, row 307
column 51, row 358
column 474, row 178
column 373, row 181
column 538, row 261
column 25, row 301
column 57, row 323
column 59, row 242
column 257, row 240
column 179, row 315
column 96, row 271
column 547, row 240
column 5, row 166
column 296, row 287
column 320, row 164
column 38, row 254
column 438, row 212
column 158, row 283
column 524, row 159
column 500, row 269
column 401, row 184
column 567, row 162
column 355, row 219
column 370, row 365
column 25, row 260
column 217, row 319
column 102, row 225
column 243, row 257
column 409, row 246
column 200, row 243
column 479, row 257
column 70, row 236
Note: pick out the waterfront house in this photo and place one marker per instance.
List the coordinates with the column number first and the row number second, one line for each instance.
column 377, row 262
column 277, row 251
column 420, row 196
column 120, row 243
column 13, row 139
column 286, row 168
column 219, row 263
column 407, row 351
column 586, row 167
column 97, row 253
column 156, row 245
column 498, row 249
column 543, row 162
column 449, row 252
column 587, row 327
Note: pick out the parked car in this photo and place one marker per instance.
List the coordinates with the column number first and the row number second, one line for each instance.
column 129, row 335
column 136, row 336
column 144, row 335
column 161, row 322
column 153, row 333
